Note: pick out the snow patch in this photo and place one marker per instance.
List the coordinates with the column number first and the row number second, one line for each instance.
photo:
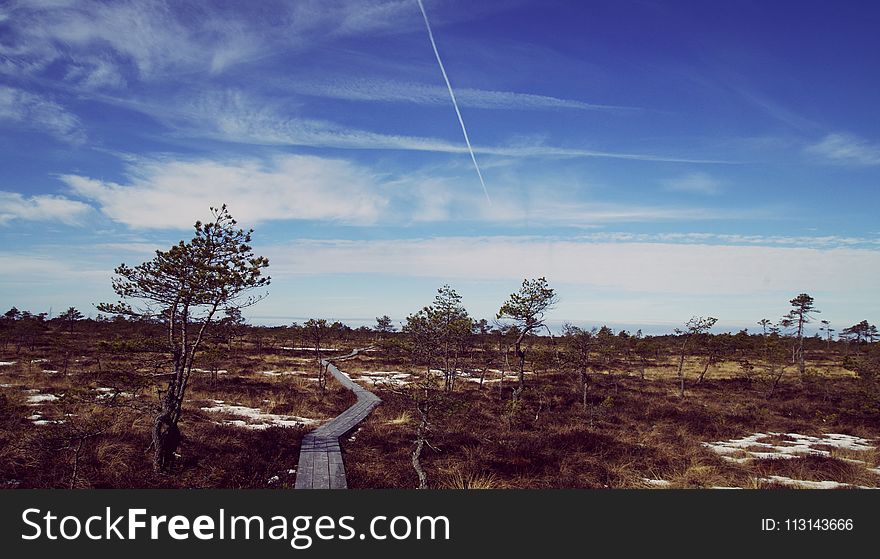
column 396, row 378
column 277, row 373
column 37, row 399
column 7, row 363
column 656, row 482
column 37, row 419
column 255, row 418
column 805, row 484
column 792, row 445
column 105, row 392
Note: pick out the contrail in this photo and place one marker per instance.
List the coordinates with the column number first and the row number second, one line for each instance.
column 454, row 102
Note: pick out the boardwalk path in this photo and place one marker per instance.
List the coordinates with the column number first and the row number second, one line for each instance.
column 320, row 459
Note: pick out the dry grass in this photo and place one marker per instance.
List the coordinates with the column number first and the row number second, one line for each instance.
column 114, row 425
column 631, row 430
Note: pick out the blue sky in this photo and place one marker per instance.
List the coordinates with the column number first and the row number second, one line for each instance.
column 654, row 160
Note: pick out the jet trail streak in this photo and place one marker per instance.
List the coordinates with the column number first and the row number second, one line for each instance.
column 454, row 102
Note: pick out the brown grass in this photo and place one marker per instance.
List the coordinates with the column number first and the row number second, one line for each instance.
column 630, row 431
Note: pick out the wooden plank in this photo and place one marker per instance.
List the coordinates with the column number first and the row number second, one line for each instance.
column 337, row 472
column 320, row 459
column 306, row 464
column 321, row 471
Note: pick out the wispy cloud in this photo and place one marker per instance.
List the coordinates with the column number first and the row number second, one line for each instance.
column 773, row 108
column 694, row 183
column 29, row 110
column 846, row 149
column 239, row 117
column 99, row 44
column 819, row 241
column 168, row 194
column 389, row 91
column 42, row 207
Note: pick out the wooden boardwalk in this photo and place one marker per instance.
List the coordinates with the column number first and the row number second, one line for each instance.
column 320, row 458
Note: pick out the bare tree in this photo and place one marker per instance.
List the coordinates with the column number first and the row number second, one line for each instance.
column 695, row 326
column 713, row 346
column 318, row 331
column 579, row 345
column 185, row 287
column 429, row 400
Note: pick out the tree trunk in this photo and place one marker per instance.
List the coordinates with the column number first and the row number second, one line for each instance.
column 681, row 372
column 166, row 435
column 709, row 362
column 584, row 391
column 776, row 383
column 521, row 355
column 420, row 444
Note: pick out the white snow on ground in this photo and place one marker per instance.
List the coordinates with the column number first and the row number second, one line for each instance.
column 6, row 363
column 39, row 360
column 378, row 377
column 106, row 392
column 492, row 376
column 256, row 418
column 656, row 482
column 281, row 373
column 37, row 399
column 218, row 371
column 6, row 386
column 805, row 484
column 50, row 371
column 792, row 446
column 308, row 349
column 37, row 419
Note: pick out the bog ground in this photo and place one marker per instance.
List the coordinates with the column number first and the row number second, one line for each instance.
column 76, row 410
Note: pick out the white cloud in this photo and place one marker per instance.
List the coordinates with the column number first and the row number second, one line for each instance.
column 683, row 269
column 101, row 44
column 234, row 116
column 96, row 73
column 34, row 111
column 26, row 268
column 694, row 183
column 826, row 241
column 354, row 89
column 42, row 207
column 846, row 149
column 172, row 194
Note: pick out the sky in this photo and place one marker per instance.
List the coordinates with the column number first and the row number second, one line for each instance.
column 653, row 160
